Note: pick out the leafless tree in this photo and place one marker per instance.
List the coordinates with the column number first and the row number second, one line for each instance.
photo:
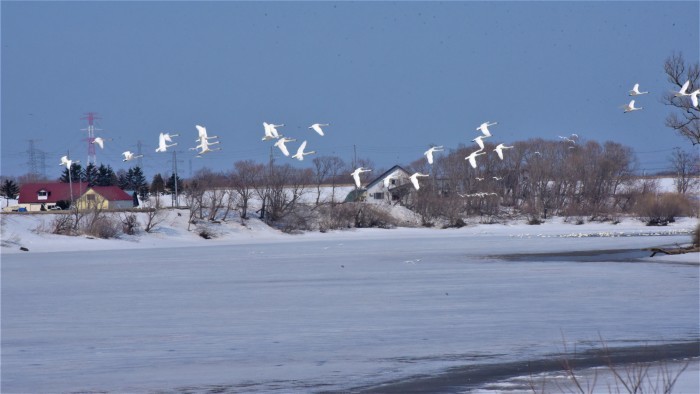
column 322, row 170
column 686, row 167
column 685, row 119
column 194, row 194
column 244, row 179
column 153, row 212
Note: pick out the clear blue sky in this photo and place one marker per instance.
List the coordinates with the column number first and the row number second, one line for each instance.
column 391, row 77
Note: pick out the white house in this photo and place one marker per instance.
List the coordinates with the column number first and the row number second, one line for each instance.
column 388, row 187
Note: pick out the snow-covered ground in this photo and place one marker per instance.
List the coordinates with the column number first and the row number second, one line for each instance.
column 256, row 310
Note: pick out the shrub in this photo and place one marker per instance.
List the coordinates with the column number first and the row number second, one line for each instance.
column 129, row 223
column 696, row 235
column 373, row 216
column 663, row 209
column 102, row 226
column 62, row 224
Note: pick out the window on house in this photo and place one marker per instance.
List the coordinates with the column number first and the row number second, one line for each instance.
column 90, row 197
column 378, row 196
column 393, row 181
column 42, row 195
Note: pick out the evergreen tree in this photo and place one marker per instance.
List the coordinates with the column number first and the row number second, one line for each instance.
column 138, row 182
column 124, row 180
column 76, row 174
column 170, row 184
column 106, row 176
column 9, row 189
column 91, row 175
column 158, row 184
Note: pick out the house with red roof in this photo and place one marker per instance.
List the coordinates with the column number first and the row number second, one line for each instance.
column 105, row 197
column 34, row 196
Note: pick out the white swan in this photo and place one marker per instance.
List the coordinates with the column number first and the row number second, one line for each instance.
column 387, row 180
column 271, row 132
column 65, row 161
column 99, row 141
column 480, row 141
column 206, row 149
column 484, row 128
column 300, row 152
column 130, row 156
column 683, row 91
column 356, row 174
column 472, row 157
column 317, row 127
column 163, row 138
column 429, row 153
column 694, row 97
column 204, row 145
column 630, row 107
column 281, row 144
column 414, row 179
column 499, row 149
column 203, row 134
column 635, row 91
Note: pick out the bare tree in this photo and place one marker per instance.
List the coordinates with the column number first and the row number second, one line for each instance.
column 685, row 119
column 244, row 179
column 322, row 169
column 686, row 167
column 154, row 213
column 194, row 194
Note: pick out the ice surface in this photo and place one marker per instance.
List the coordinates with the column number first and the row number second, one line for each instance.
column 257, row 310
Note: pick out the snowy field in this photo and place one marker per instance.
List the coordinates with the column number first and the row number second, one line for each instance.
column 255, row 310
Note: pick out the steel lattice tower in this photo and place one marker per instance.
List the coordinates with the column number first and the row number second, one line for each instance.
column 92, row 156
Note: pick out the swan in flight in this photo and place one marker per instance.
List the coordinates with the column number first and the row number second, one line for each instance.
column 203, row 134
column 204, row 147
column 479, row 179
column 356, row 174
column 497, row 178
column 484, row 128
column 694, row 97
column 630, row 107
column 67, row 162
column 499, row 149
column 567, row 139
column 480, row 141
column 684, row 90
column 429, row 153
column 635, row 90
column 281, row 144
column 271, row 131
column 163, row 140
column 99, row 141
column 317, row 127
column 300, row 152
column 130, row 156
column 472, row 157
column 414, row 179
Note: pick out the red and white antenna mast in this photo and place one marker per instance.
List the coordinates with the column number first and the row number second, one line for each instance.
column 92, row 157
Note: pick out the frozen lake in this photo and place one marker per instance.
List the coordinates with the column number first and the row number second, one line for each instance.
column 315, row 314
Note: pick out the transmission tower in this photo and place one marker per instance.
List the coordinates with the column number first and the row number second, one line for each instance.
column 139, row 162
column 92, row 156
column 33, row 161
column 175, row 201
